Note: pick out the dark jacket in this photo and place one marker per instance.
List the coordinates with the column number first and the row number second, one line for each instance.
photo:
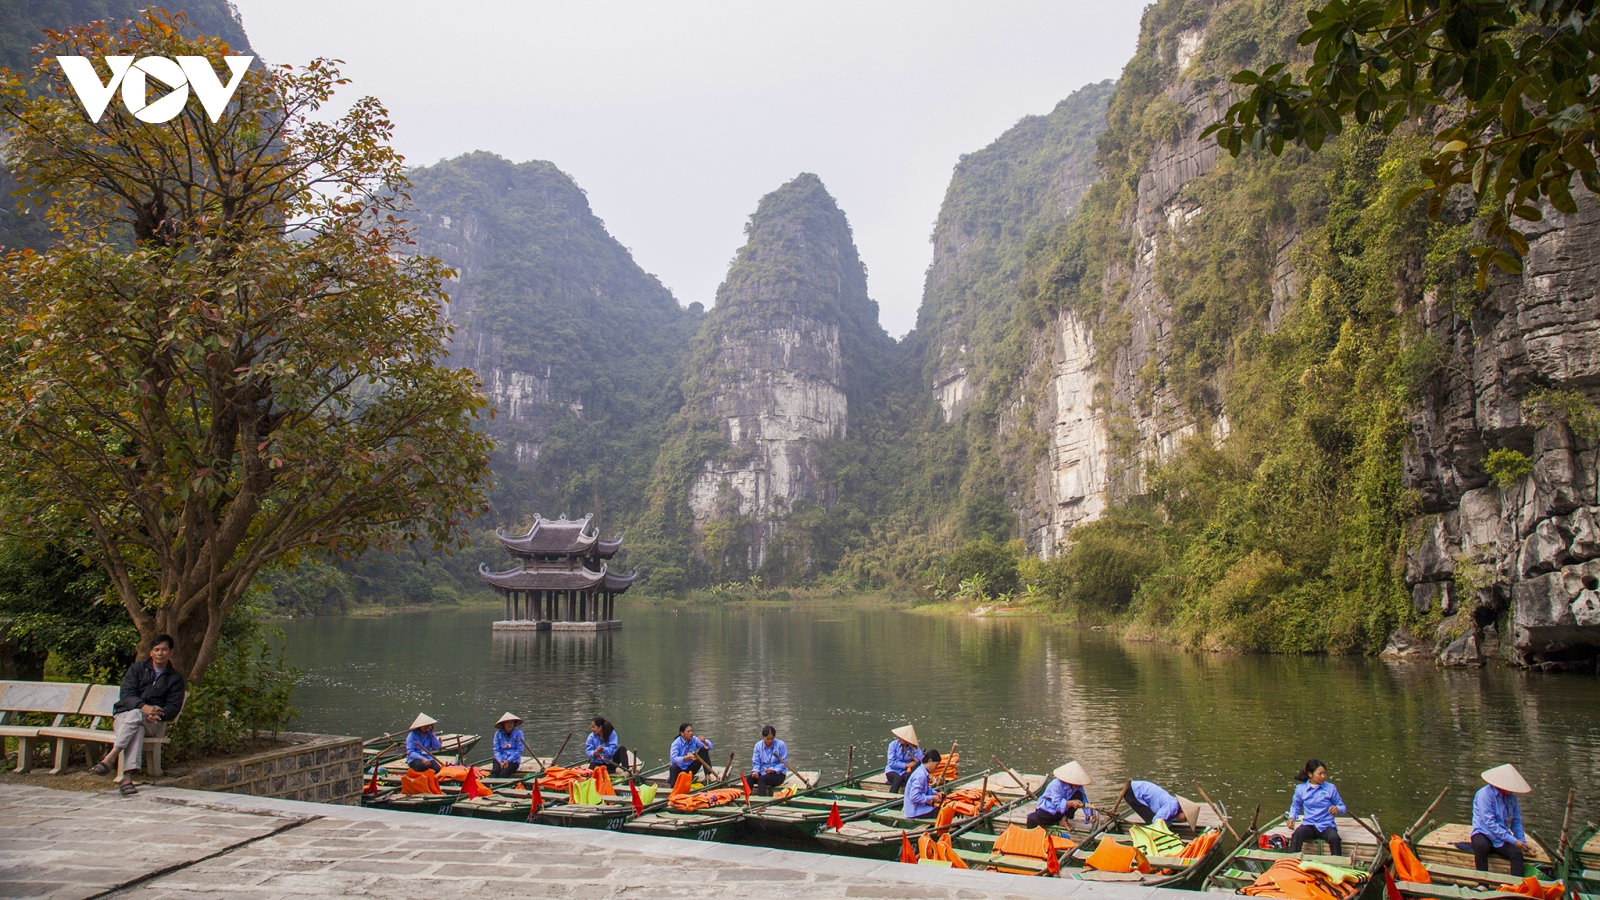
column 143, row 686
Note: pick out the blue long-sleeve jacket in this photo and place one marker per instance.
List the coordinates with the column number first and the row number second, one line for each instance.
column 1313, row 804
column 764, row 759
column 919, row 794
column 1497, row 816
column 683, row 752
column 1162, row 804
column 1056, row 794
column 508, row 747
column 900, row 758
column 416, row 742
column 595, row 749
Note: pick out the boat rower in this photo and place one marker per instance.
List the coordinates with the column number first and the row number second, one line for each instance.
column 422, row 744
column 601, row 747
column 508, row 746
column 1316, row 801
column 769, row 762
column 1152, row 802
column 921, row 799
column 904, row 755
column 1497, row 819
column 688, row 754
column 1062, row 798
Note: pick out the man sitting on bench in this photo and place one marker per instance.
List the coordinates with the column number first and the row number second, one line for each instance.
column 152, row 695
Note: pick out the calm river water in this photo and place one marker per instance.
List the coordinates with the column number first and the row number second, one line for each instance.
column 1035, row 695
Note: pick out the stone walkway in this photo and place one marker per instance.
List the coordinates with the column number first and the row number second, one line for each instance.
column 172, row 843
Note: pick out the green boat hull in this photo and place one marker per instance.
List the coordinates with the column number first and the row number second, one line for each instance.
column 436, row 804
column 688, row 826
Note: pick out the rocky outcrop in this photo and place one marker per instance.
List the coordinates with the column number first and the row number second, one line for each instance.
column 772, row 373
column 1532, row 547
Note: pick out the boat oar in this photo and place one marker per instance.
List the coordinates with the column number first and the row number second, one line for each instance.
column 1226, row 824
column 1554, row 857
column 1255, row 819
column 1406, row 835
column 796, row 772
column 553, row 759
column 849, row 758
column 726, row 769
column 1370, row 830
column 944, row 770
column 1118, row 802
column 1566, row 822
column 1021, row 785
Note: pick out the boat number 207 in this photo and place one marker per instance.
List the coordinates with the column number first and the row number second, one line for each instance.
column 706, row 834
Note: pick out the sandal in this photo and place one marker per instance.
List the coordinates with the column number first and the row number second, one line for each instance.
column 100, row 768
column 128, row 789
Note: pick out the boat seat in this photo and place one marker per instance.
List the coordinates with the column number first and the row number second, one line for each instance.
column 1460, row 874
column 1448, row 891
column 19, row 698
column 100, row 705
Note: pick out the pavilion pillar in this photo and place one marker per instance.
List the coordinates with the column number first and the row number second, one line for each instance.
column 507, row 596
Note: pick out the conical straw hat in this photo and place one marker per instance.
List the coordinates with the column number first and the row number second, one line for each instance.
column 1072, row 773
column 1191, row 810
column 1507, row 778
column 423, row 719
column 508, row 717
column 908, row 734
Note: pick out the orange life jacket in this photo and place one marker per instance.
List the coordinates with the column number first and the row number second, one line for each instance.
column 705, row 799
column 1110, row 856
column 942, row 849
column 424, row 782
column 1406, row 865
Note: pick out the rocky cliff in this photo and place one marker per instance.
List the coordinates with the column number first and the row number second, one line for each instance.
column 575, row 344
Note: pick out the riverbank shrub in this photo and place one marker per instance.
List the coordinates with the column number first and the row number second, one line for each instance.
column 246, row 692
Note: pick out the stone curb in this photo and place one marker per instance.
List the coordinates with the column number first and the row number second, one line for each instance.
column 676, row 848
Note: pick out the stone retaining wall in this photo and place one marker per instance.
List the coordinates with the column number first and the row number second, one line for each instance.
column 324, row 768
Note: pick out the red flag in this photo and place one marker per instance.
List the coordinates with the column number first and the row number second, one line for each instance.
column 638, row 805
column 907, row 855
column 372, row 786
column 834, row 821
column 471, row 787
column 746, row 782
column 1052, row 862
column 537, row 798
column 1389, row 887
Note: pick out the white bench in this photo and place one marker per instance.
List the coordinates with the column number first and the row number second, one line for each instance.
column 20, row 697
column 99, row 704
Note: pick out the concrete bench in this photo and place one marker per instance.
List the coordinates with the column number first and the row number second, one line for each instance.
column 99, row 704
column 35, row 697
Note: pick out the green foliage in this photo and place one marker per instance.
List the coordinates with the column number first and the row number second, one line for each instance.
column 1105, row 564
column 246, row 692
column 1515, row 78
column 990, row 567
column 1570, row 407
column 214, row 395
column 56, row 608
column 1507, row 466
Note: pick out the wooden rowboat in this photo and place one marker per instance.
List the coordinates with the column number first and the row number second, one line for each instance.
column 1452, row 871
column 1580, row 871
column 389, row 747
column 800, row 816
column 1247, row 862
column 1445, row 844
column 876, row 833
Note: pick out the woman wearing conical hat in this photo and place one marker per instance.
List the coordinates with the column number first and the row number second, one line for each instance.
column 508, row 746
column 422, row 744
column 1152, row 802
column 905, row 754
column 1497, row 819
column 1063, row 797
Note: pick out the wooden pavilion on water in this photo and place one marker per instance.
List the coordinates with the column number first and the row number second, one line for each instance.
column 561, row 582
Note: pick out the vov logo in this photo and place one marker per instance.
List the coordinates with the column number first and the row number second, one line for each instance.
column 132, row 76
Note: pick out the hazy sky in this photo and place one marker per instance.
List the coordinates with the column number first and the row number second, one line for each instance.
column 677, row 117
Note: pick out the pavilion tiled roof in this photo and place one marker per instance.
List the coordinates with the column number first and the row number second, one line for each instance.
column 523, row 578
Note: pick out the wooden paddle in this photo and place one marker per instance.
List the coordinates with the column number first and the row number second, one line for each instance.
column 1227, row 824
column 944, row 768
column 1255, row 819
column 796, row 772
column 1406, row 835
column 1566, row 823
column 1118, row 802
column 562, row 749
column 1359, row 821
column 1554, row 856
column 849, row 758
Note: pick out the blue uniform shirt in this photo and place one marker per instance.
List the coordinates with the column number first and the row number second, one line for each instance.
column 1057, row 793
column 900, row 757
column 508, row 747
column 593, row 748
column 764, row 759
column 1162, row 804
column 416, row 742
column 683, row 752
column 1313, row 804
column 919, row 794
column 1497, row 816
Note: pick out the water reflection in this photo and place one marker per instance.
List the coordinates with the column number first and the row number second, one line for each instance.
column 1032, row 694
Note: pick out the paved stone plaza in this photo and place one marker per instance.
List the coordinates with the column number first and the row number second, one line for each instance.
column 172, row 843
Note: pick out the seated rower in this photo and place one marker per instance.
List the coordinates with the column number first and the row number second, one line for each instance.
column 904, row 755
column 1316, row 802
column 1497, row 819
column 921, row 799
column 508, row 746
column 601, row 747
column 422, row 744
column 1062, row 798
column 1151, row 802
column 769, row 762
column 688, row 754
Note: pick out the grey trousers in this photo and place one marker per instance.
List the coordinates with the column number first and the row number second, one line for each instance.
column 130, row 729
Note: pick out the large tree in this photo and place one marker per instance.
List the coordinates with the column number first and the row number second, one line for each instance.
column 229, row 359
column 1513, row 87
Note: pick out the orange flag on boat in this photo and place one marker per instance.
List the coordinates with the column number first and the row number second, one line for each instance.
column 372, row 786
column 638, row 805
column 907, row 855
column 746, row 782
column 834, row 821
column 1052, row 862
column 471, row 787
column 1390, row 889
column 537, row 798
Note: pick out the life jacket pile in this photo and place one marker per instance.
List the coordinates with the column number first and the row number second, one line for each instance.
column 1295, row 879
column 1156, row 839
column 942, row 849
column 705, row 799
column 1030, row 843
column 965, row 802
column 945, row 769
column 559, row 778
column 424, row 782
